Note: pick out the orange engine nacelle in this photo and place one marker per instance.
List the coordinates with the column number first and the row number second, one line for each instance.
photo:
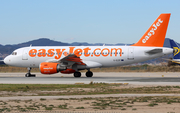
column 68, row 71
column 50, row 68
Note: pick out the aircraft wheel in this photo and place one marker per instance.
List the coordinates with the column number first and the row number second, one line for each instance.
column 29, row 75
column 89, row 74
column 77, row 74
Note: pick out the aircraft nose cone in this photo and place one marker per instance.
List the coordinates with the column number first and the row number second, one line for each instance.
column 6, row 60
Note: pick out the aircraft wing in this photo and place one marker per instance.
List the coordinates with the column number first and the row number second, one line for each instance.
column 72, row 58
column 68, row 60
column 177, row 62
column 174, row 61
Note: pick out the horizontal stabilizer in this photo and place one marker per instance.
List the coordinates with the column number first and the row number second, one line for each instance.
column 154, row 51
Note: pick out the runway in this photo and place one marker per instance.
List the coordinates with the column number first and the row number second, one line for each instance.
column 133, row 78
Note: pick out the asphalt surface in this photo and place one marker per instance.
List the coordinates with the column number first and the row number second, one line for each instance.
column 134, row 78
column 84, row 96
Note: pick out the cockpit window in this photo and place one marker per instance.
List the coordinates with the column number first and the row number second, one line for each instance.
column 14, row 53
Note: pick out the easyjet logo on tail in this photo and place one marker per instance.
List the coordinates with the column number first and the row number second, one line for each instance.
column 57, row 53
column 152, row 31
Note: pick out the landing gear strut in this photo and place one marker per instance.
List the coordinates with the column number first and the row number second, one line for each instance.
column 89, row 74
column 77, row 74
column 29, row 73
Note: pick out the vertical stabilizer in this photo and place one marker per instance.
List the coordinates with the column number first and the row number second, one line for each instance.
column 176, row 49
column 155, row 35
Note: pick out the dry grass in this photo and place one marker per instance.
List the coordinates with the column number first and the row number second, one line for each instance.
column 5, row 69
column 83, row 89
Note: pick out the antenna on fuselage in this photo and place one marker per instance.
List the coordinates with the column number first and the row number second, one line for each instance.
column 30, row 45
column 103, row 44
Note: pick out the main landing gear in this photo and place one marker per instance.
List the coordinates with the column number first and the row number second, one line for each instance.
column 29, row 73
column 89, row 74
column 78, row 74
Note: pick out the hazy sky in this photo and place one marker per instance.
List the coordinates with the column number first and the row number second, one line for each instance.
column 92, row 21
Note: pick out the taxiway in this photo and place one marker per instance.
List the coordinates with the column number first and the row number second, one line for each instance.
column 133, row 78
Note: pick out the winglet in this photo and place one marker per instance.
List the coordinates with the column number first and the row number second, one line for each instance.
column 155, row 35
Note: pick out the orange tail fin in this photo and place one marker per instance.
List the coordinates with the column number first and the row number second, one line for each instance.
column 155, row 35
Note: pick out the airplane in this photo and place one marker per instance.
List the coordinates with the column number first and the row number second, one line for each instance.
column 176, row 54
column 72, row 59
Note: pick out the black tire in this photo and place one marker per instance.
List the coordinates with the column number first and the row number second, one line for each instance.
column 27, row 75
column 89, row 74
column 77, row 74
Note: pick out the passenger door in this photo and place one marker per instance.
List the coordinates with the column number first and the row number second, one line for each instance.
column 131, row 54
column 25, row 54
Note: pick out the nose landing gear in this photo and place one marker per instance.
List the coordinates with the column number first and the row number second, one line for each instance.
column 29, row 73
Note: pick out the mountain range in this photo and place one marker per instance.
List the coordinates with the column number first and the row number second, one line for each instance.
column 7, row 49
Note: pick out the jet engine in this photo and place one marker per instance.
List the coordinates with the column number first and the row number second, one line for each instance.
column 50, row 68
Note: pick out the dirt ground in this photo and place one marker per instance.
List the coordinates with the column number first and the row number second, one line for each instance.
column 93, row 105
column 32, row 102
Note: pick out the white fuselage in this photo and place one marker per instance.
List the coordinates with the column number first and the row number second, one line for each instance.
column 92, row 56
